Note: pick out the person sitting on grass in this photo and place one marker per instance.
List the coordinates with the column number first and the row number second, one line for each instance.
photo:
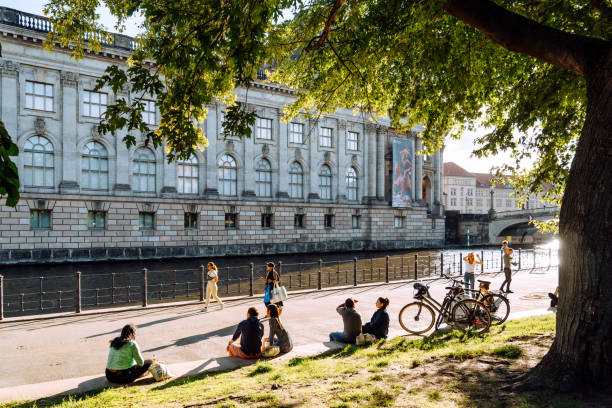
column 250, row 331
column 379, row 324
column 283, row 340
column 351, row 320
column 125, row 362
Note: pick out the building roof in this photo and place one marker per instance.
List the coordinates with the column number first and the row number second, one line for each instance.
column 453, row 169
column 483, row 180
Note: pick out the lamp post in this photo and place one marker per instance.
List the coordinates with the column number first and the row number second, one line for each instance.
column 492, row 209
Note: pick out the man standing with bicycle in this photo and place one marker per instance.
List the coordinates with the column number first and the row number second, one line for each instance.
column 508, row 254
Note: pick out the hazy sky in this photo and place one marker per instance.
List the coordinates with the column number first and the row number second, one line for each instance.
column 457, row 151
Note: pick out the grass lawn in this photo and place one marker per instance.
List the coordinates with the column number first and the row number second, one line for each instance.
column 443, row 370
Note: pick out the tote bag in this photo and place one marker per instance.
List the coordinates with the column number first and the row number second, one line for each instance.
column 278, row 293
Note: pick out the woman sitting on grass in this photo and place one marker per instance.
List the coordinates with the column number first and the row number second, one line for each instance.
column 125, row 363
column 283, row 340
column 379, row 324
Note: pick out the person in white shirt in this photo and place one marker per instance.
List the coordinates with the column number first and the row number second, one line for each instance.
column 211, row 285
column 471, row 263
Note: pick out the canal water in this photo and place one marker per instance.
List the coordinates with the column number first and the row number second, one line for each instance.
column 51, row 288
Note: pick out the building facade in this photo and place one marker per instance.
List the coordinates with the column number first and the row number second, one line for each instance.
column 303, row 186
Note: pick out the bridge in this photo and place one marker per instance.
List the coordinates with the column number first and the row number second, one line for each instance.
column 516, row 224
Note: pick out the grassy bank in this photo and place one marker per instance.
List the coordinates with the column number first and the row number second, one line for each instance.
column 443, row 370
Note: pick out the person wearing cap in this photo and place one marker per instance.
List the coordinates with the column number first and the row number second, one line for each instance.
column 272, row 277
column 351, row 320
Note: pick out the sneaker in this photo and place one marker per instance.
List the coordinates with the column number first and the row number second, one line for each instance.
column 221, row 308
column 509, row 291
column 205, row 309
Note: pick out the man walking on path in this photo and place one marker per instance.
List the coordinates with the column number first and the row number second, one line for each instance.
column 508, row 255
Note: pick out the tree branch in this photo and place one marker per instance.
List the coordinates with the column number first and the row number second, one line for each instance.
column 312, row 45
column 519, row 34
column 601, row 7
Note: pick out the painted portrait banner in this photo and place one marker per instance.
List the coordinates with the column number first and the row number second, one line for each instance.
column 403, row 155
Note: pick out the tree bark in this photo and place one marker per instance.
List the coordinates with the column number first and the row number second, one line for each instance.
column 582, row 350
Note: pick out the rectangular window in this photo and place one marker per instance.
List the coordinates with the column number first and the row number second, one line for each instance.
column 96, row 219
column 298, row 220
column 230, row 221
column 266, row 220
column 355, row 221
column 40, row 219
column 479, row 202
column 398, row 222
column 146, row 220
column 352, row 141
column 468, row 201
column 148, row 113
column 509, row 203
column 453, row 201
column 39, row 96
column 328, row 221
column 469, row 192
column 191, row 220
column 498, row 202
column 325, row 137
column 296, row 133
column 94, row 103
column 453, row 191
column 263, row 128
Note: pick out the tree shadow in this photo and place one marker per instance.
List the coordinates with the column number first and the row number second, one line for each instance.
column 185, row 341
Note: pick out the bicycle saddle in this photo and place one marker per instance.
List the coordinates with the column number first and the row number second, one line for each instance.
column 420, row 286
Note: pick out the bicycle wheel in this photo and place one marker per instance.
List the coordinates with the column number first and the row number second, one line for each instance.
column 416, row 318
column 470, row 314
column 498, row 306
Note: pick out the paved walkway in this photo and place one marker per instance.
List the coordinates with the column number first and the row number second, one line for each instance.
column 66, row 355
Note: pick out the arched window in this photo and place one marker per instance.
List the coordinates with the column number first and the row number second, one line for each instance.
column 351, row 184
column 188, row 176
column 264, row 178
column 325, row 182
column 227, row 175
column 144, row 171
column 95, row 166
column 38, row 162
column 296, row 181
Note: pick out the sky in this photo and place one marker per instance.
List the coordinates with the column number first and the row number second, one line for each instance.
column 457, row 151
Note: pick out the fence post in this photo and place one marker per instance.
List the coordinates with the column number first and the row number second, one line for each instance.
column 41, row 293
column 77, row 300
column 251, row 279
column 145, row 273
column 1, row 297
column 319, row 274
column 501, row 261
column 416, row 266
column 201, row 283
column 519, row 265
column 354, row 271
column 441, row 264
column 280, row 268
column 460, row 263
column 549, row 257
column 113, row 288
column 482, row 259
column 387, row 269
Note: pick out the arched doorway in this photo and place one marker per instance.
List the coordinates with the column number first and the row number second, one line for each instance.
column 426, row 185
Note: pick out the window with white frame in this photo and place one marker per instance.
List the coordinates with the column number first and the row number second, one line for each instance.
column 398, row 221
column 355, row 221
column 453, row 191
column 149, row 111
column 325, row 182
column 264, row 178
column 263, row 128
column 479, row 202
column 352, row 141
column 469, row 201
column 94, row 162
column 94, row 103
column 39, row 96
column 188, row 176
column 227, row 175
column 296, row 133
column 351, row 184
column 144, row 170
column 453, row 202
column 325, row 137
column 469, row 192
column 38, row 162
column 509, row 203
column 296, row 180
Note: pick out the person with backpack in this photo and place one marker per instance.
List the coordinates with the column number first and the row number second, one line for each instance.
column 212, row 277
column 125, row 362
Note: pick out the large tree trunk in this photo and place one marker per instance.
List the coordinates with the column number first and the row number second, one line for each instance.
column 582, row 350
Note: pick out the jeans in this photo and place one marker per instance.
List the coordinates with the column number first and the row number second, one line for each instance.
column 128, row 375
column 508, row 275
column 211, row 290
column 338, row 336
column 468, row 278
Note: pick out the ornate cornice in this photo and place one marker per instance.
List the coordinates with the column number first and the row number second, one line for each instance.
column 9, row 68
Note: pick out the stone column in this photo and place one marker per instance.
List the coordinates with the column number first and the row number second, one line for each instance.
column 282, row 177
column 371, row 160
column 248, row 172
column 70, row 157
column 122, row 155
column 437, row 207
column 342, row 161
column 211, row 188
column 381, row 134
column 311, row 172
column 169, row 177
column 10, row 97
column 418, row 173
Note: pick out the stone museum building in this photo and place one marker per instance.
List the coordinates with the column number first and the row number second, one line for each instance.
column 303, row 186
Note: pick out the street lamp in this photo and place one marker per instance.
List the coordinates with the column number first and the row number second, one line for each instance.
column 492, row 209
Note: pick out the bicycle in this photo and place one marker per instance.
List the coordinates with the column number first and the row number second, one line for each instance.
column 497, row 304
column 464, row 314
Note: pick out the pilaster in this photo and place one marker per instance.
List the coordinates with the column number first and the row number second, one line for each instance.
column 342, row 160
column 418, row 182
column 311, row 171
column 211, row 189
column 70, row 157
column 381, row 134
column 370, row 130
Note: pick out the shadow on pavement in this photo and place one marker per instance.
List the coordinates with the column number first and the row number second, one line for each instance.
column 185, row 341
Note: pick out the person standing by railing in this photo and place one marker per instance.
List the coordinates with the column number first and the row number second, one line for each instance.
column 468, row 276
column 212, row 277
column 508, row 254
column 272, row 278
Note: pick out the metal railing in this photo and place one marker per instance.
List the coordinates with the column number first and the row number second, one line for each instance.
column 77, row 292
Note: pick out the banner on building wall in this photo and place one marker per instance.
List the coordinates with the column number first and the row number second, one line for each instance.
column 403, row 155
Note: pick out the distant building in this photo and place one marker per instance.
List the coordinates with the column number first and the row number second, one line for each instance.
column 470, row 193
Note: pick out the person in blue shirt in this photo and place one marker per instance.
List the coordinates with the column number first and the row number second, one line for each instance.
column 250, row 332
column 379, row 324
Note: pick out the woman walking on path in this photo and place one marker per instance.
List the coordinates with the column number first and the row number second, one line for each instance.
column 211, row 285
column 283, row 339
column 379, row 324
column 125, row 362
column 468, row 277
column 272, row 277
